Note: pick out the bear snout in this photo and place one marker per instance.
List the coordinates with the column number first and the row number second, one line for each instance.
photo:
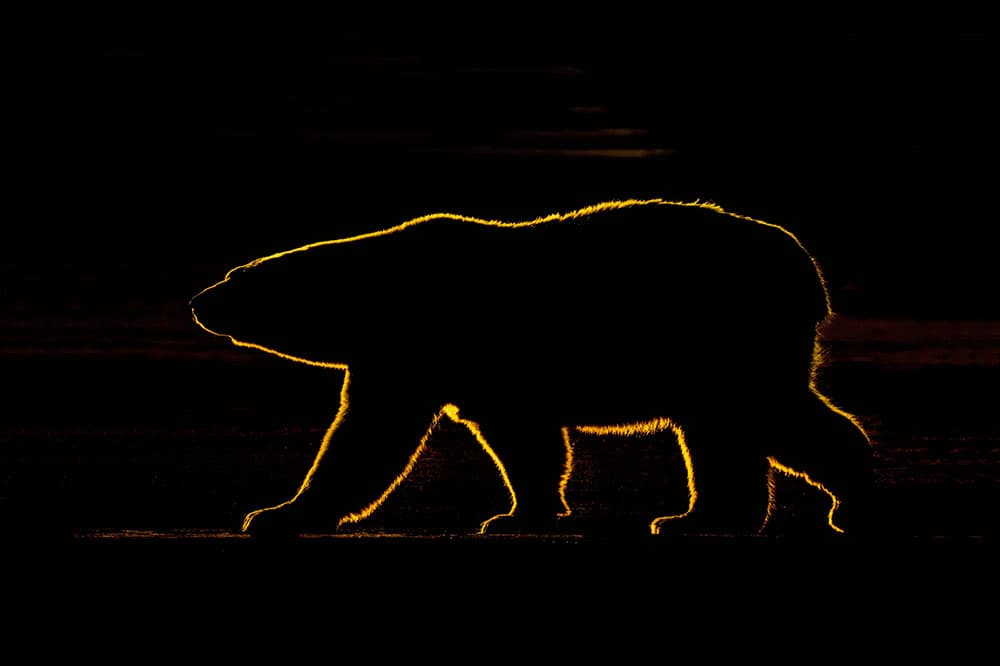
column 209, row 310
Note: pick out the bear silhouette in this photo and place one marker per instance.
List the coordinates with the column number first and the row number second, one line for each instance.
column 623, row 319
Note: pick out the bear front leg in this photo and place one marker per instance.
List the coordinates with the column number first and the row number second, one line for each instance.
column 535, row 470
column 377, row 430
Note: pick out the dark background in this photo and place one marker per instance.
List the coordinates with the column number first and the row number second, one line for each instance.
column 152, row 151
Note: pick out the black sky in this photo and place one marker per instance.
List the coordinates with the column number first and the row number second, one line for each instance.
column 145, row 134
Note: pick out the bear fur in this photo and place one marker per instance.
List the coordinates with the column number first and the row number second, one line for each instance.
column 620, row 313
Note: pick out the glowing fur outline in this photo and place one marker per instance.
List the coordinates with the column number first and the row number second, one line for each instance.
column 644, row 427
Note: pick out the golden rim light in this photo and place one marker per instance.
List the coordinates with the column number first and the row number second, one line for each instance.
column 451, row 411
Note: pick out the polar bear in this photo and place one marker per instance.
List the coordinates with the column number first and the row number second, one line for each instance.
column 623, row 318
